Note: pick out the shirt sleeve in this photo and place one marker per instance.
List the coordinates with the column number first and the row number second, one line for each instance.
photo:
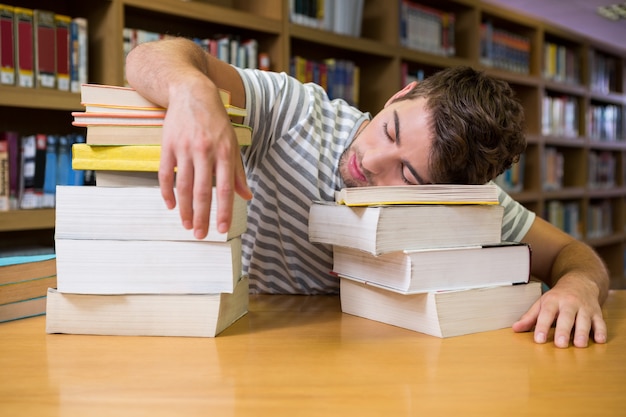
column 517, row 219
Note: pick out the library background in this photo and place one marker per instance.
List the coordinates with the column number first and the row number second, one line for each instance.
column 572, row 88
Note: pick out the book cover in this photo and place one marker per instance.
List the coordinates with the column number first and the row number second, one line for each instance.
column 189, row 315
column 442, row 314
column 117, row 158
column 437, row 269
column 132, row 213
column 62, row 34
column 382, row 229
column 7, row 45
column 112, row 266
column 24, row 47
column 418, row 194
column 44, row 43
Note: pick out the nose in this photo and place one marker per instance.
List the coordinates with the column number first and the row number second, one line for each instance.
column 377, row 163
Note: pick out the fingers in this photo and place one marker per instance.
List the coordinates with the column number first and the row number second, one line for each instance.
column 166, row 179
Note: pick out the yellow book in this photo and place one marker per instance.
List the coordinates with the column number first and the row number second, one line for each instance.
column 118, row 158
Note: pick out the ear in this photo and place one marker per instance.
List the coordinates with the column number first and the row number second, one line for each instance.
column 402, row 92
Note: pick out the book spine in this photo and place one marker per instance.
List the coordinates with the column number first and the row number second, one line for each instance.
column 4, row 174
column 24, row 54
column 62, row 32
column 44, row 47
column 7, row 45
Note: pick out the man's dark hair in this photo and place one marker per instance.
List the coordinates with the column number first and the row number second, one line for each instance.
column 477, row 123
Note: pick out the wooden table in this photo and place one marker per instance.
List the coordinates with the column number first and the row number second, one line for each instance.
column 300, row 356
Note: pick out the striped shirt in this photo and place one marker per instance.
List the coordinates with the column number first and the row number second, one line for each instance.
column 298, row 136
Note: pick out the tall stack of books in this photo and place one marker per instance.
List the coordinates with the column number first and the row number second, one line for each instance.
column 426, row 258
column 125, row 264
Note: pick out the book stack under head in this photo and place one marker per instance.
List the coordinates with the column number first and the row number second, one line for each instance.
column 125, row 264
column 427, row 258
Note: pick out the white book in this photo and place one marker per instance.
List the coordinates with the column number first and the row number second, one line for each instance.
column 444, row 313
column 104, row 266
column 382, row 229
column 435, row 269
column 191, row 315
column 132, row 213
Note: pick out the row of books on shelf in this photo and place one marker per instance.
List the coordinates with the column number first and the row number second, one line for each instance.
column 606, row 122
column 32, row 165
column 427, row 29
column 599, row 219
column 41, row 48
column 561, row 63
column 565, row 215
column 602, row 169
column 243, row 53
column 559, row 116
column 604, row 72
column 504, row 49
column 339, row 16
column 339, row 77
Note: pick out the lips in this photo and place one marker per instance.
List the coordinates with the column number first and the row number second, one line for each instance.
column 355, row 169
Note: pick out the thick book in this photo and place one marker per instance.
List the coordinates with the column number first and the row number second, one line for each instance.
column 436, row 269
column 150, row 133
column 381, row 229
column 190, row 315
column 444, row 313
column 126, row 179
column 418, row 194
column 23, row 309
column 132, row 213
column 18, row 268
column 123, row 99
column 25, row 289
column 117, row 158
column 109, row 266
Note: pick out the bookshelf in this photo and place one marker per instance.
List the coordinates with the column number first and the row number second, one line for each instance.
column 589, row 88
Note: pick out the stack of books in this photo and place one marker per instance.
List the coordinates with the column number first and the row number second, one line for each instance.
column 426, row 258
column 125, row 264
column 24, row 281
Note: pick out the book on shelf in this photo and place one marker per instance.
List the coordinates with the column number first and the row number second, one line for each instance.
column 5, row 185
column 24, row 47
column 381, row 229
column 436, row 269
column 418, row 194
column 7, row 45
column 190, row 315
column 113, row 266
column 132, row 213
column 441, row 313
column 44, row 42
column 120, row 134
column 79, row 56
column 62, row 25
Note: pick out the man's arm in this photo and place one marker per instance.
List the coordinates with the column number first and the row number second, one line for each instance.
column 198, row 138
column 579, row 282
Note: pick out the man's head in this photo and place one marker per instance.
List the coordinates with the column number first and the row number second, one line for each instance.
column 457, row 126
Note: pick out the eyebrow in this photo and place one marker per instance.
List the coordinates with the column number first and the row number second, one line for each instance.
column 396, row 122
